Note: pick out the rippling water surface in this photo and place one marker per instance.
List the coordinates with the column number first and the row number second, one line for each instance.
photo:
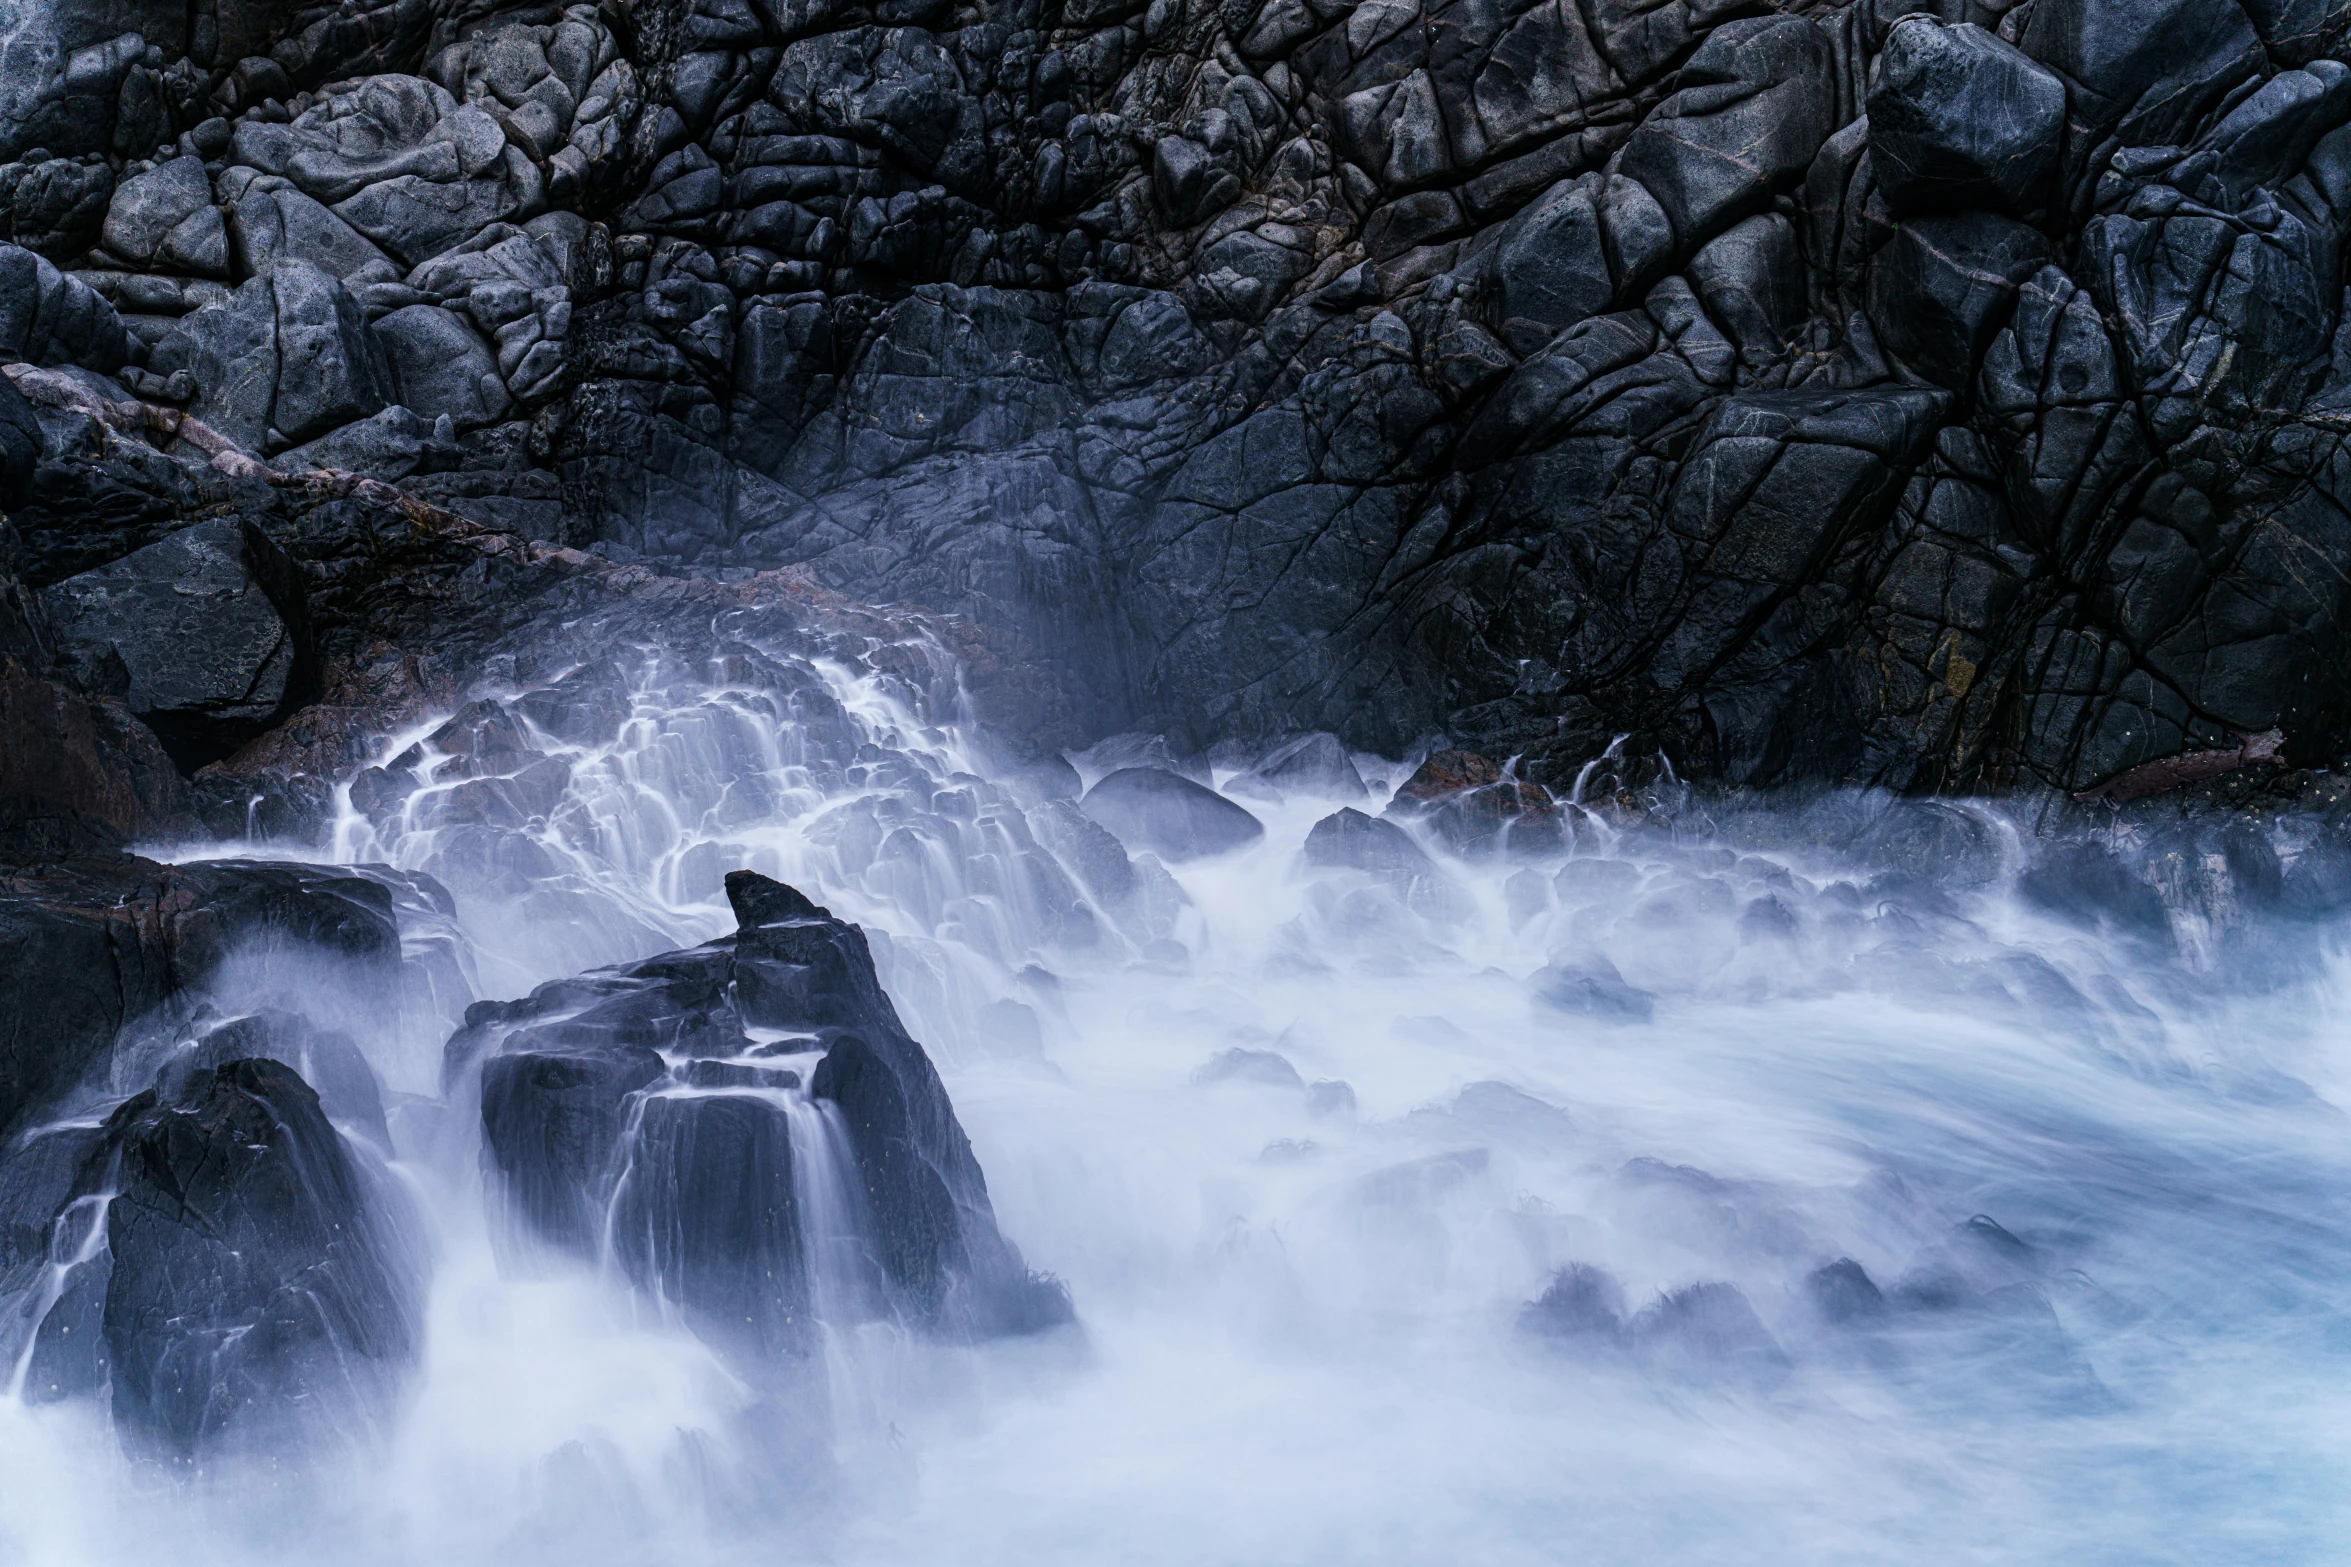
column 1817, row 1184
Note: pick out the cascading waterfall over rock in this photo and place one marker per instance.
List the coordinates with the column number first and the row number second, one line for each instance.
column 745, row 1129
column 1174, row 781
column 1543, row 1118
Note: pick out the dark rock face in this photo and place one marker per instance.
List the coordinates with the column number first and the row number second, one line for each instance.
column 118, row 938
column 661, row 1104
column 208, row 630
column 77, row 772
column 1937, row 395
column 250, row 1280
column 1350, row 838
column 47, row 318
column 287, row 358
column 1958, row 118
column 222, row 1251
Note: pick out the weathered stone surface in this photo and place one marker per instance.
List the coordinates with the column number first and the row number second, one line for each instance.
column 57, row 206
column 1274, row 369
column 286, row 359
column 47, row 318
column 274, row 221
column 440, row 365
column 209, row 627
column 1945, row 287
column 1959, row 119
column 165, row 218
column 1753, row 107
column 1359, row 842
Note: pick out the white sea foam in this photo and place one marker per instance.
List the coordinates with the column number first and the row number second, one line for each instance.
column 2097, row 1174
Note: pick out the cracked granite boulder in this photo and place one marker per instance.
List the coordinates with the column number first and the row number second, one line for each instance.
column 1943, row 394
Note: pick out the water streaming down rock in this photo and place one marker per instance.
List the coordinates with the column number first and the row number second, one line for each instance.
column 1947, row 1175
column 747, row 1131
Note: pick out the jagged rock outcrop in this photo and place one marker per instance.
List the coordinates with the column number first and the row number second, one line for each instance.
column 216, row 1257
column 1936, row 393
column 747, row 1131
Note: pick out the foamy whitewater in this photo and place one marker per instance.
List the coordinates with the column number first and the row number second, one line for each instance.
column 2096, row 1175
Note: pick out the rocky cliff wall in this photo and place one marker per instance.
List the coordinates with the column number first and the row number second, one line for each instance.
column 1932, row 393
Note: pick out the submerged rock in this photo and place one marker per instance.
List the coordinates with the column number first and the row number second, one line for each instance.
column 1169, row 815
column 1351, row 839
column 1316, row 764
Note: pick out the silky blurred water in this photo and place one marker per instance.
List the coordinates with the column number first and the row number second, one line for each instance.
column 2093, row 1167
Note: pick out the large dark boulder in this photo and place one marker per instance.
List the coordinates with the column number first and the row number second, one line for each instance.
column 208, row 631
column 767, row 1141
column 1351, row 839
column 58, row 206
column 165, row 218
column 256, row 1282
column 1958, row 118
column 440, row 365
column 1316, row 764
column 78, row 774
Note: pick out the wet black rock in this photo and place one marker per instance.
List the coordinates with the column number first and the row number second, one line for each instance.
column 657, row 1105
column 1709, row 1330
column 255, row 1277
column 118, row 939
column 330, row 1061
column 1947, row 284
column 1316, row 764
column 1351, row 839
column 209, row 628
column 1843, row 1292
column 1941, row 399
column 1265, row 1068
column 1580, row 1305
column 2091, row 885
column 1169, row 815
column 1590, row 986
column 1958, row 119
column 165, row 218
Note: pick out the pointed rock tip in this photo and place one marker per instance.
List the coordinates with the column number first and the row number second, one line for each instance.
column 762, row 900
